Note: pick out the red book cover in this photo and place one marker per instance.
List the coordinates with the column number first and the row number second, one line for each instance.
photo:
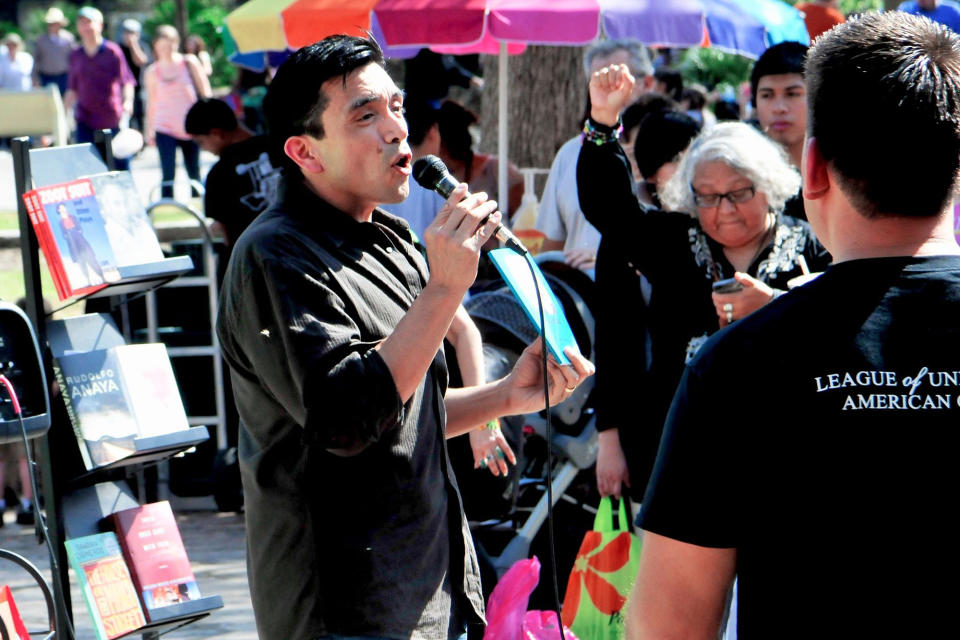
column 11, row 616
column 42, row 231
column 78, row 245
column 154, row 551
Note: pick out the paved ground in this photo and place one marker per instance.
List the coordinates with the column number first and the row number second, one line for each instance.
column 215, row 543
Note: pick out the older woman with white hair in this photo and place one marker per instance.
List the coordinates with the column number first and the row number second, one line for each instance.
column 723, row 250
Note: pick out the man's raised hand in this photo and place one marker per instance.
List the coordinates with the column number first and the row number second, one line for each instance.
column 611, row 89
column 455, row 236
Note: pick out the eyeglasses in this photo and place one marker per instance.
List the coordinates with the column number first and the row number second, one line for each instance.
column 710, row 200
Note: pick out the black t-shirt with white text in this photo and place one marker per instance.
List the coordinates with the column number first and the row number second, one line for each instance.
column 242, row 185
column 817, row 437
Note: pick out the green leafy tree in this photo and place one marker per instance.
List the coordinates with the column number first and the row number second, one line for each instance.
column 34, row 25
column 714, row 68
column 204, row 19
column 854, row 6
column 8, row 27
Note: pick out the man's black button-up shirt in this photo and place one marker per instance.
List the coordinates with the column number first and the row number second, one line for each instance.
column 354, row 520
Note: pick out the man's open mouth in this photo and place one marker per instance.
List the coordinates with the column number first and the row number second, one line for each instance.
column 402, row 163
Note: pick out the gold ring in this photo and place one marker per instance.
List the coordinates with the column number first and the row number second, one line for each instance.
column 569, row 389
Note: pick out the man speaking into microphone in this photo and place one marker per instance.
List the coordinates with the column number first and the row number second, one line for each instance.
column 333, row 331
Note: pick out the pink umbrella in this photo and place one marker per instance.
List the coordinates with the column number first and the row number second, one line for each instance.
column 506, row 27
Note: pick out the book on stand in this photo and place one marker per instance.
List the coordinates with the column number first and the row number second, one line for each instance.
column 90, row 230
column 71, row 233
column 10, row 616
column 106, row 585
column 119, row 400
column 132, row 237
column 155, row 555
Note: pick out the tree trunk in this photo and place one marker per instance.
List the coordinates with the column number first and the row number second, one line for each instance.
column 547, row 94
column 181, row 17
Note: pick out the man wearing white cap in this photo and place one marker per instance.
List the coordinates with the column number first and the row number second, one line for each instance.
column 100, row 84
column 51, row 52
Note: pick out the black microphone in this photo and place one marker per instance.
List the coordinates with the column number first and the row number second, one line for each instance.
column 431, row 173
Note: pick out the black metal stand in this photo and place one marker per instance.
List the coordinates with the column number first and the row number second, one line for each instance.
column 37, row 576
column 64, row 492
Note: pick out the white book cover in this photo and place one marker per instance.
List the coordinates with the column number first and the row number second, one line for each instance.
column 128, row 227
column 151, row 388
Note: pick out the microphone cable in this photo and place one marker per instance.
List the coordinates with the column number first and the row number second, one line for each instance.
column 549, row 433
column 40, row 520
column 431, row 173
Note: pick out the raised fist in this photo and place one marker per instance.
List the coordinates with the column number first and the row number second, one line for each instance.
column 611, row 89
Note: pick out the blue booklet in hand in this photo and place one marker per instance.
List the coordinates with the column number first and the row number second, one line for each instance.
column 515, row 270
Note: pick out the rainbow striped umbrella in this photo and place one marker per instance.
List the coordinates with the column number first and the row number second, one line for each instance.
column 746, row 27
column 741, row 26
column 276, row 25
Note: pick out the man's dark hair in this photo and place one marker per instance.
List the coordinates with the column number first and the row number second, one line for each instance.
column 295, row 101
column 786, row 57
column 695, row 96
column 672, row 82
column 662, row 136
column 207, row 114
column 726, row 110
column 899, row 74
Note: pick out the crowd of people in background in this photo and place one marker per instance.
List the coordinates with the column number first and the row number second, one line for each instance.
column 701, row 221
column 145, row 82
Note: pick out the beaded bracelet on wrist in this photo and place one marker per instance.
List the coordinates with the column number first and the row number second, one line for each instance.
column 591, row 133
column 493, row 425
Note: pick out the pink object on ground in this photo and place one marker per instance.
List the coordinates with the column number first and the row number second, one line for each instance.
column 542, row 625
column 507, row 615
column 508, row 602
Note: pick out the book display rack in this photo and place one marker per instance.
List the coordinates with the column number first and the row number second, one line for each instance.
column 80, row 494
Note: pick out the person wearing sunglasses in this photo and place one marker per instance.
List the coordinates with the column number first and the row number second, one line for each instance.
column 723, row 222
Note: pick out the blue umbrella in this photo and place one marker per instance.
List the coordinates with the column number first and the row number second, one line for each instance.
column 746, row 27
column 783, row 22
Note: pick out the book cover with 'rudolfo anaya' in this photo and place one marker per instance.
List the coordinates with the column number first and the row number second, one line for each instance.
column 116, row 395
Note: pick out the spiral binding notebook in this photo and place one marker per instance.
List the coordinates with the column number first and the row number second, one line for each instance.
column 513, row 267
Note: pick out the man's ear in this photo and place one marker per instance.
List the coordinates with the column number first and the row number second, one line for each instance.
column 816, row 177
column 304, row 153
column 648, row 83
